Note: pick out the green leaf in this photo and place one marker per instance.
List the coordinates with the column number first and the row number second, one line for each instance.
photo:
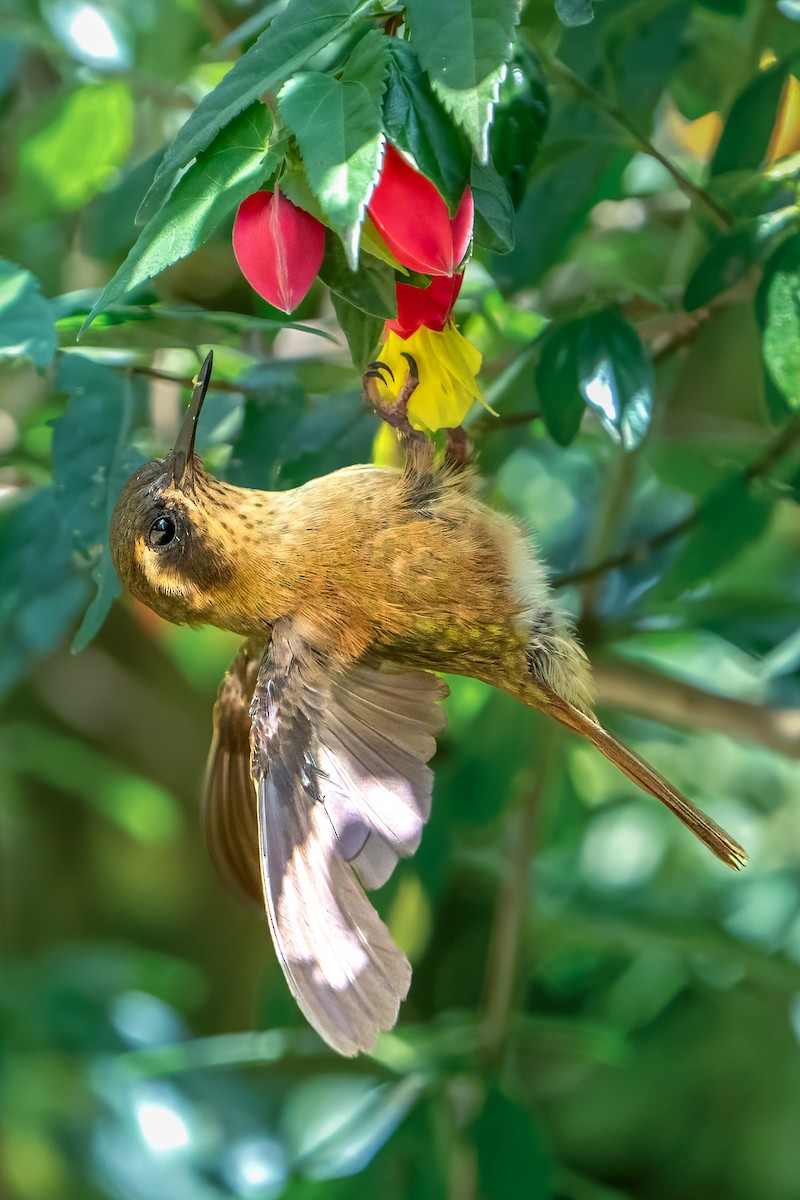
column 464, row 45
column 727, row 522
column 71, row 159
column 575, row 12
column 337, row 123
column 642, row 47
column 512, row 1162
column 362, row 330
column 416, row 122
column 556, row 375
column 732, row 256
column 519, row 124
column 41, row 589
column 778, row 313
column 92, row 460
column 745, row 137
column 600, row 359
column 494, row 212
column 27, row 320
column 297, row 33
column 371, row 287
column 235, row 164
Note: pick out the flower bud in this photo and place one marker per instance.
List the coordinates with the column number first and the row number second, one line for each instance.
column 279, row 248
column 413, row 220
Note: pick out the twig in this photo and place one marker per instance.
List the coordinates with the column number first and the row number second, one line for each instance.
column 696, row 194
column 648, row 693
column 511, row 908
column 641, row 551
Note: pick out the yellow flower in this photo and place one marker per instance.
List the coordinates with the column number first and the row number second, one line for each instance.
column 447, row 364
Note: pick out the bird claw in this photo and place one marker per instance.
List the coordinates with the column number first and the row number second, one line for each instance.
column 393, row 412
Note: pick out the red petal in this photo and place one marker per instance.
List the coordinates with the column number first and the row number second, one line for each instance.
column 412, row 217
column 461, row 226
column 430, row 306
column 278, row 247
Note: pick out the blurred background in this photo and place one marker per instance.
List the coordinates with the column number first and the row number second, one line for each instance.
column 600, row 1010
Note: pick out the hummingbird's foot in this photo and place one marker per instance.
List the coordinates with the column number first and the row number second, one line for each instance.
column 393, row 412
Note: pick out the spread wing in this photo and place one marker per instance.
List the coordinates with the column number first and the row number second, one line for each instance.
column 230, row 806
column 317, row 784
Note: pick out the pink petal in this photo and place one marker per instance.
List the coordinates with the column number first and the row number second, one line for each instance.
column 412, row 217
column 278, row 247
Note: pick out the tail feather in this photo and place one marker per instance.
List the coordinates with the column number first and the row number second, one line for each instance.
column 646, row 777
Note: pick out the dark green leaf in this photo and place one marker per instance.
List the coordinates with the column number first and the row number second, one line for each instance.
column 41, row 589
column 747, row 130
column 556, row 376
column 519, row 124
column 363, row 332
column 416, row 122
column 778, row 312
column 464, row 45
column 371, row 287
column 337, row 123
column 494, row 212
column 601, row 360
column 92, row 460
column 642, row 46
column 235, row 164
column 512, row 1162
column 297, row 33
column 27, row 320
column 575, row 12
column 728, row 521
column 732, row 256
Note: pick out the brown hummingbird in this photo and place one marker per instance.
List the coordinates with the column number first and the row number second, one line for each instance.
column 351, row 591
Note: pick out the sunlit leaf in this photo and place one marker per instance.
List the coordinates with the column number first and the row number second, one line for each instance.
column 464, row 45
column 234, row 165
column 778, row 311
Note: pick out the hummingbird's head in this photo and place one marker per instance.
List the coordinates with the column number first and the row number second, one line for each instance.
column 162, row 535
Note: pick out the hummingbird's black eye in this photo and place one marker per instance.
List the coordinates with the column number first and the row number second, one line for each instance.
column 162, row 531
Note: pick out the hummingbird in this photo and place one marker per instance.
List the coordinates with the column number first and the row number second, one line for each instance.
column 351, row 593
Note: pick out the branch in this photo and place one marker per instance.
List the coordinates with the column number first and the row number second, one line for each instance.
column 641, row 551
column 696, row 194
column 647, row 693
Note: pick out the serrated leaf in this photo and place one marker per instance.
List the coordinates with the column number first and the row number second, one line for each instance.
column 371, row 287
column 494, row 212
column 41, row 589
column 732, row 256
column 601, row 359
column 727, row 522
column 337, row 123
column 235, row 164
column 778, row 313
column 415, row 121
column 92, row 460
column 363, row 332
column 27, row 320
column 464, row 45
column 296, row 34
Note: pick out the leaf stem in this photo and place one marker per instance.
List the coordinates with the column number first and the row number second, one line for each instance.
column 696, row 194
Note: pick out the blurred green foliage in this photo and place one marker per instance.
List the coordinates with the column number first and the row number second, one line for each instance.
column 623, row 1021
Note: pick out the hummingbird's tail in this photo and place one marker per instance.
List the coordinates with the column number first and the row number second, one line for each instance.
column 645, row 776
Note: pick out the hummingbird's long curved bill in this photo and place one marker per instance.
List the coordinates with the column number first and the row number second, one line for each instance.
column 183, row 450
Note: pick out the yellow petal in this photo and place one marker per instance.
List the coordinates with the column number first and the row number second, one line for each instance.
column 447, row 364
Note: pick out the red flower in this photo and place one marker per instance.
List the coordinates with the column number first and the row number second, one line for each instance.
column 431, row 306
column 278, row 247
column 413, row 220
